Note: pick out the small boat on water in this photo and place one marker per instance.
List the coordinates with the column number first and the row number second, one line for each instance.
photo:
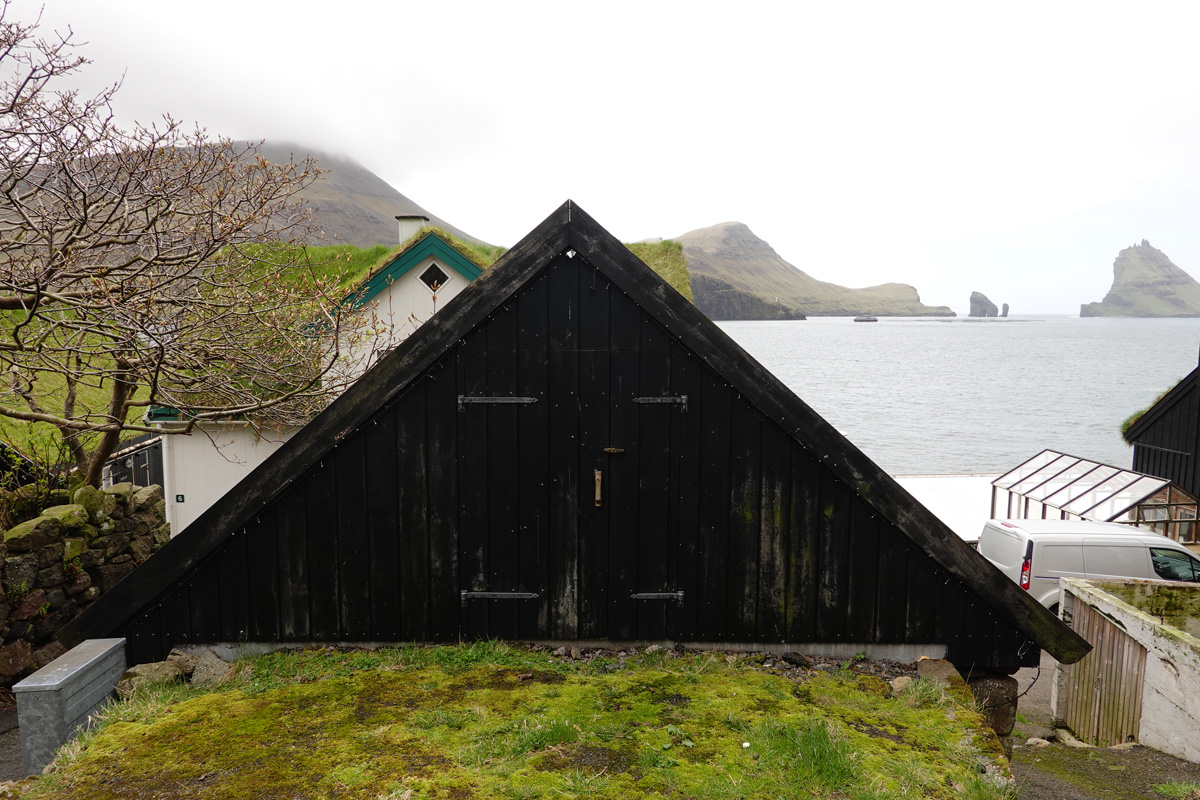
column 866, row 318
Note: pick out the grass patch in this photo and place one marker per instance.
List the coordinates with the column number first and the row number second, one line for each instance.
column 1179, row 790
column 491, row 720
column 666, row 258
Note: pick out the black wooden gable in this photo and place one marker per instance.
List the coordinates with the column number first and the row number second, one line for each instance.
column 570, row 450
column 1166, row 438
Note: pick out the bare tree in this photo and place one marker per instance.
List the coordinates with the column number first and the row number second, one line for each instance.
column 150, row 266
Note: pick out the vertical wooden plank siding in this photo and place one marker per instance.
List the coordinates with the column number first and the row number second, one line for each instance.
column 686, row 478
column 354, row 550
column 234, row 585
column 413, row 496
column 566, row 485
column 745, row 477
column 835, row 557
column 440, row 582
column 262, row 556
column 716, row 398
column 592, row 520
column 473, row 510
column 620, row 481
column 1103, row 698
column 653, row 556
column 383, row 532
column 773, row 540
column 499, row 479
column 804, row 557
column 320, row 512
column 863, row 572
column 293, row 566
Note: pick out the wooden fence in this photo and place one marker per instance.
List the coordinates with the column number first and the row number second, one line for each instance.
column 1102, row 694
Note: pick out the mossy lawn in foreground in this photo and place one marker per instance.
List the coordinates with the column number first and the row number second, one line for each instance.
column 497, row 721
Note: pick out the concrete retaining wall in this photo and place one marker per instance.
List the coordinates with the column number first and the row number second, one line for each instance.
column 1145, row 610
column 59, row 698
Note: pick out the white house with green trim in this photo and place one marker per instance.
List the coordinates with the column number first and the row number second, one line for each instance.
column 404, row 291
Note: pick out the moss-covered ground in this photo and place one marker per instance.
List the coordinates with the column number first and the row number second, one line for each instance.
column 500, row 721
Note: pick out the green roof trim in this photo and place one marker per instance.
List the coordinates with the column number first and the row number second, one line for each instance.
column 163, row 414
column 429, row 244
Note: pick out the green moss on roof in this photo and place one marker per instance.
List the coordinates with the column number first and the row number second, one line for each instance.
column 1133, row 418
column 666, row 258
column 481, row 255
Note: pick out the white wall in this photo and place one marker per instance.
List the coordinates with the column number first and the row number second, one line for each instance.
column 1171, row 690
column 205, row 464
column 393, row 314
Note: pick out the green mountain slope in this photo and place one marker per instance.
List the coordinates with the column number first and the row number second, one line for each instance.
column 1147, row 284
column 734, row 258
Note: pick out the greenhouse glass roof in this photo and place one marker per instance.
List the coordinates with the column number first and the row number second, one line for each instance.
column 1078, row 486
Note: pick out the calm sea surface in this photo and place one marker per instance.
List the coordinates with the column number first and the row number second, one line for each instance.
column 976, row 396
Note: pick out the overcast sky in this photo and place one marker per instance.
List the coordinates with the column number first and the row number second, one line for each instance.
column 1010, row 148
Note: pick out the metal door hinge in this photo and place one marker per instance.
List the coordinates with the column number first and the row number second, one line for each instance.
column 465, row 596
column 464, row 400
column 676, row 596
column 680, row 400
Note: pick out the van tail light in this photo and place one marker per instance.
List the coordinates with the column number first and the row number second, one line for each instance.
column 1026, row 569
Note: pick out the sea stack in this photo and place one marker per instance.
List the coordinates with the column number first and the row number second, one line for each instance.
column 981, row 306
column 1147, row 284
column 1004, row 310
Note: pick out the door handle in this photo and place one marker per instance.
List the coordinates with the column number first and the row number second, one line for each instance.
column 599, row 478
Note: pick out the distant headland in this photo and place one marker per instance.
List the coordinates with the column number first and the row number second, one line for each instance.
column 1147, row 284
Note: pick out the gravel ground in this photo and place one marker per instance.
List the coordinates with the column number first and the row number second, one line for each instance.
column 10, row 742
column 1061, row 772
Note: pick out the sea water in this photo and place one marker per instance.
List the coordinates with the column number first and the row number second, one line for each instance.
column 939, row 396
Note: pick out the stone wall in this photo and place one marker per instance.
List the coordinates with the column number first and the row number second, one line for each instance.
column 55, row 565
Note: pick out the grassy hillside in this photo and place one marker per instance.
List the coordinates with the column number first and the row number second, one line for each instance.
column 666, row 258
column 732, row 254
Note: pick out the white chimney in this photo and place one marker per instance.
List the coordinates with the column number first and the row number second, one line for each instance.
column 410, row 224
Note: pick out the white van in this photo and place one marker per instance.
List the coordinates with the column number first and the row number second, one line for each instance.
column 1035, row 553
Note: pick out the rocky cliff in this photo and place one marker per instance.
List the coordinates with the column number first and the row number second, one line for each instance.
column 735, row 260
column 981, row 306
column 1147, row 284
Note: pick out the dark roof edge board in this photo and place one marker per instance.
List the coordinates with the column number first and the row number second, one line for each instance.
column 570, row 228
column 1160, row 407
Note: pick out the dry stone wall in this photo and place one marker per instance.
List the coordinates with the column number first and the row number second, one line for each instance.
column 56, row 564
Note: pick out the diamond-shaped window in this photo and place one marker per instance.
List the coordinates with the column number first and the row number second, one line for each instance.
column 434, row 278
